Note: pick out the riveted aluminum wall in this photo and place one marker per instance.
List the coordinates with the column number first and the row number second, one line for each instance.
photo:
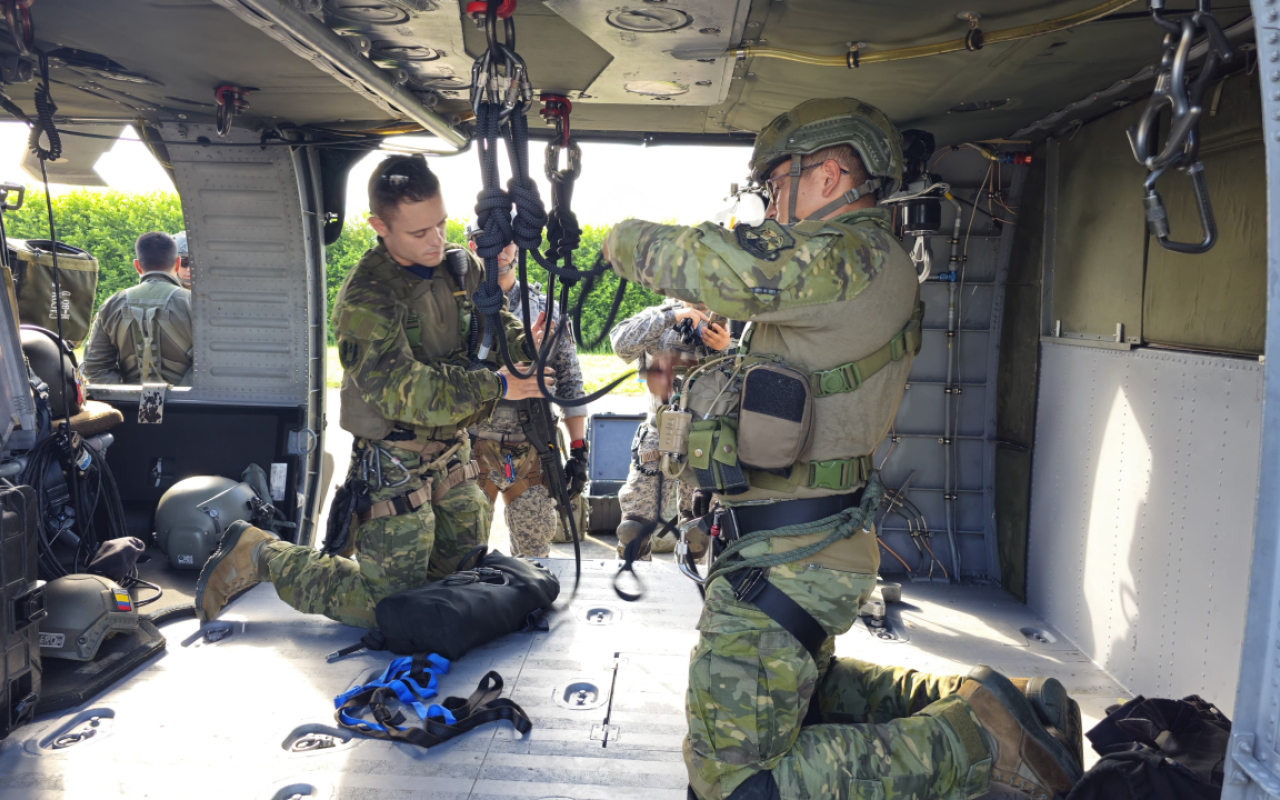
column 244, row 226
column 1143, row 482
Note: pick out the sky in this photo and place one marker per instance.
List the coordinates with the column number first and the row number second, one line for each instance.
column 681, row 183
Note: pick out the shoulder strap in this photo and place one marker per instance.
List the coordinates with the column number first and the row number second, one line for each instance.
column 142, row 305
column 848, row 377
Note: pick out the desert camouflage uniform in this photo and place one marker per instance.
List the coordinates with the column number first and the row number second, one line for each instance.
column 531, row 513
column 819, row 294
column 639, row 338
column 406, row 387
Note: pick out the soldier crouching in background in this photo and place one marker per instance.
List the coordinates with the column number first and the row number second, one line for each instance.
column 685, row 335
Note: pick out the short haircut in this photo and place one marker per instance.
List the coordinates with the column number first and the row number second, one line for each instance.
column 400, row 179
column 845, row 156
column 156, row 251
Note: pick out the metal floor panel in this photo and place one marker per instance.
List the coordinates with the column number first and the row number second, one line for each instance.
column 212, row 720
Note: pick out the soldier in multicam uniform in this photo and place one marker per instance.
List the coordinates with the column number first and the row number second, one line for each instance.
column 508, row 463
column 407, row 396
column 648, row 494
column 829, row 291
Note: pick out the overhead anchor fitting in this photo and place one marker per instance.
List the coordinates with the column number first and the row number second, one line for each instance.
column 974, row 38
column 851, row 57
column 231, row 104
column 556, row 113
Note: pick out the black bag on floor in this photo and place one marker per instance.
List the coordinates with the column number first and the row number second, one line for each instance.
column 469, row 608
column 1158, row 749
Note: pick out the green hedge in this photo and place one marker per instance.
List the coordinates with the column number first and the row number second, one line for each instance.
column 104, row 223
column 107, row 224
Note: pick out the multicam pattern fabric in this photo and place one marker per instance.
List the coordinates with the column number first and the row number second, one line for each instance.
column 842, row 290
column 830, row 262
column 885, row 733
column 391, row 553
column 424, row 386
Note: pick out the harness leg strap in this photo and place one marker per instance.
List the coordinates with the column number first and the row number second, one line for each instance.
column 751, row 586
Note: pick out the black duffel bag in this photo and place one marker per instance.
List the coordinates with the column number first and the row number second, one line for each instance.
column 496, row 595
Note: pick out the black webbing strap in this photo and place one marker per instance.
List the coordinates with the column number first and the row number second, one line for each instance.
column 631, row 553
column 751, row 586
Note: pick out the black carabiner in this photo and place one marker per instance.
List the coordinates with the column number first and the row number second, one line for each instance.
column 1158, row 217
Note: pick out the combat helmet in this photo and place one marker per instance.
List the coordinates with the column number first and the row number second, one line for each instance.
column 84, row 611
column 194, row 512
column 817, row 124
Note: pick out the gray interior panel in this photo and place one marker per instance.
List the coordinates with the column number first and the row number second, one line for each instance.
column 1144, row 479
column 244, row 225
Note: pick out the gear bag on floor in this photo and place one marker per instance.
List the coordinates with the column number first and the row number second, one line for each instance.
column 471, row 607
column 1157, row 750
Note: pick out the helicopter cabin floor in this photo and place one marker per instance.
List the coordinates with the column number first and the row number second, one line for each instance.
column 217, row 717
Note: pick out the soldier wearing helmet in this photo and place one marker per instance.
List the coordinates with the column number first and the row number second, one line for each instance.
column 782, row 431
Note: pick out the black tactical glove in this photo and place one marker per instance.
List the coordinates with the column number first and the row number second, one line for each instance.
column 575, row 470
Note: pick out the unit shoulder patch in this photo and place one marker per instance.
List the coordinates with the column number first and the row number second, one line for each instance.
column 766, row 241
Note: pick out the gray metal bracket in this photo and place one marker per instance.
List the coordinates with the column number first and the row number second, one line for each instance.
column 1248, row 768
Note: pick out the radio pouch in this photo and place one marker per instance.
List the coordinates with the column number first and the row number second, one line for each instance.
column 775, row 416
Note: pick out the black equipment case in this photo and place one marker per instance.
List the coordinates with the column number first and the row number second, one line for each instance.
column 610, row 436
column 22, row 596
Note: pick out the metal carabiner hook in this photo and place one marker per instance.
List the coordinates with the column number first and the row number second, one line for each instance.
column 1158, row 217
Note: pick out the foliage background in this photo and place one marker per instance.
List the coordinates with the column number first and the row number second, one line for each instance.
column 107, row 224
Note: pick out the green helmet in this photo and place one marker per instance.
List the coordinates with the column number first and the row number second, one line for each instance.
column 84, row 611
column 194, row 512
column 817, row 124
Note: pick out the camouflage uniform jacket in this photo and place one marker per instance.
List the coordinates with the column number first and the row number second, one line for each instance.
column 564, row 361
column 402, row 343
column 651, row 331
column 110, row 355
column 819, row 294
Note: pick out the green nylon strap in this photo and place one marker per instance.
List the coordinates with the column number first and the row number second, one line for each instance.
column 835, row 473
column 851, row 520
column 848, row 377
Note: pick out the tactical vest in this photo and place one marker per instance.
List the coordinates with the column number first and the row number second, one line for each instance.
column 143, row 317
column 434, row 316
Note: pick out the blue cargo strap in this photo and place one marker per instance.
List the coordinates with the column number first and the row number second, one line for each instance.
column 402, row 681
column 403, row 677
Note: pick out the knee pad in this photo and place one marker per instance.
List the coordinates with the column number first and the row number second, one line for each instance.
column 629, row 529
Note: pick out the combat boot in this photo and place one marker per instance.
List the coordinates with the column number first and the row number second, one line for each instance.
column 231, row 570
column 1055, row 708
column 1027, row 762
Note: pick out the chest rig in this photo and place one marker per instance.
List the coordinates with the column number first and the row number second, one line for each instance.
column 745, row 420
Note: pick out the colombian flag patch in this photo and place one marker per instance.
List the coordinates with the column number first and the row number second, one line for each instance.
column 123, row 603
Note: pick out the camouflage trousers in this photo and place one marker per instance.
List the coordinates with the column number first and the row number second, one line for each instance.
column 649, row 495
column 532, row 514
column 885, row 733
column 391, row 553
